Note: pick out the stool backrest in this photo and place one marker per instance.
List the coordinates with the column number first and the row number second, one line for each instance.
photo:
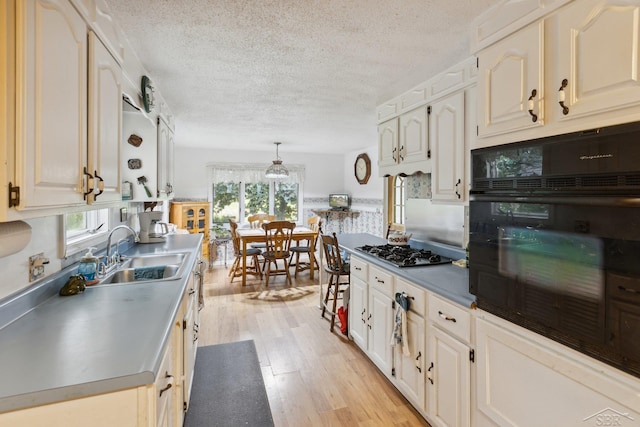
column 332, row 254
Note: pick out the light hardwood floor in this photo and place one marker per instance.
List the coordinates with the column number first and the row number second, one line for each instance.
column 313, row 377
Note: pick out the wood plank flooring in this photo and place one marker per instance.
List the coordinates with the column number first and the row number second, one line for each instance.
column 313, row 377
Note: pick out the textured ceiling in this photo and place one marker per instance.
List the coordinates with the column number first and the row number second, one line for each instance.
column 243, row 74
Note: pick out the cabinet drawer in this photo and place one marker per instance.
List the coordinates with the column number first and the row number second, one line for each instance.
column 381, row 280
column 164, row 384
column 450, row 317
column 416, row 295
column 359, row 268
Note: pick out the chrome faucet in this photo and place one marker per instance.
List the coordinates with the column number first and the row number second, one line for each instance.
column 109, row 262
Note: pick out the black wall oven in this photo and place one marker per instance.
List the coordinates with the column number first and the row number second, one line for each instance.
column 554, row 239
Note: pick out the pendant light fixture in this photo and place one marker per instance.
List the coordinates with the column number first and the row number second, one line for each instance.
column 277, row 169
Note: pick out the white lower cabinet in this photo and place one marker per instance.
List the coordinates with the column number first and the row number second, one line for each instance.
column 410, row 368
column 370, row 305
column 449, row 380
column 524, row 379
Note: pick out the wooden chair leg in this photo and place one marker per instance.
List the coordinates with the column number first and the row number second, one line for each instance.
column 326, row 295
column 286, row 269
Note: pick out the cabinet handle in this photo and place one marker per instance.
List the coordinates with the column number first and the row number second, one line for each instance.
column 633, row 291
column 457, row 187
column 170, row 377
column 393, row 154
column 100, row 184
column 418, row 358
column 534, row 117
column 369, row 324
column 400, row 153
column 362, row 316
column 89, row 183
column 192, row 291
column 445, row 317
column 378, row 280
column 429, row 370
column 358, row 268
column 561, row 97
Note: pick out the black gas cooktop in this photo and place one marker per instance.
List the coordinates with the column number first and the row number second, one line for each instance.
column 404, row 255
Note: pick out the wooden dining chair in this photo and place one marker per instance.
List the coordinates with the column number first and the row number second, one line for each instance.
column 256, row 220
column 253, row 253
column 278, row 238
column 339, row 276
column 304, row 247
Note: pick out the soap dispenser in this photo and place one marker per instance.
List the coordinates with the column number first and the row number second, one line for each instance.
column 88, row 266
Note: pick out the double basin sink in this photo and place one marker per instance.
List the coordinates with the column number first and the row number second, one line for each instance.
column 147, row 268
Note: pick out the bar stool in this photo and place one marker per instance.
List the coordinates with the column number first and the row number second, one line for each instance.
column 337, row 270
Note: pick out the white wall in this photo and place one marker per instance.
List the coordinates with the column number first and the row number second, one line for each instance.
column 374, row 188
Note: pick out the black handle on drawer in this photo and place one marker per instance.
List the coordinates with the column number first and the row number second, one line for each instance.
column 445, row 317
column 378, row 280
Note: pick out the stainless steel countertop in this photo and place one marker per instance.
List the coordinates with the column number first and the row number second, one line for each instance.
column 448, row 280
column 105, row 339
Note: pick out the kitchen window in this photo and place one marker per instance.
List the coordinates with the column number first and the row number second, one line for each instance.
column 84, row 229
column 239, row 191
column 396, row 194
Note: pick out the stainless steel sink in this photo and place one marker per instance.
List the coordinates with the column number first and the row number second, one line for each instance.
column 156, row 259
column 128, row 275
column 140, row 269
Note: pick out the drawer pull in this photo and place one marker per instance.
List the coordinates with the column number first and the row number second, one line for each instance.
column 358, row 268
column 192, row 291
column 445, row 317
column 633, row 291
column 378, row 280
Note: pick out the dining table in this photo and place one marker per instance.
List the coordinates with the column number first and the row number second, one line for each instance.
column 257, row 235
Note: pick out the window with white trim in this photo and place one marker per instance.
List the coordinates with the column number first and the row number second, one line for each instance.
column 238, row 191
column 84, row 229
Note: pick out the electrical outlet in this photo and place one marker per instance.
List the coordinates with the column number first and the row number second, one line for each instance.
column 36, row 266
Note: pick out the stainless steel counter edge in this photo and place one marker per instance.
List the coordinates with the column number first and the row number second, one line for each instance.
column 448, row 281
column 106, row 339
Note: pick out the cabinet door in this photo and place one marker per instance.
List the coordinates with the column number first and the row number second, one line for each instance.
column 388, row 143
column 380, row 324
column 447, row 144
column 358, row 301
column 51, row 91
column 509, row 73
column 449, row 377
column 165, row 160
column 410, row 368
column 599, row 56
column 105, row 123
column 414, row 136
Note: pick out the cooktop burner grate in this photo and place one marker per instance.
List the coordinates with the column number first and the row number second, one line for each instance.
column 404, row 255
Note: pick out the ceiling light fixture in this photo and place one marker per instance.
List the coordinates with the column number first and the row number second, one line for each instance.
column 277, row 169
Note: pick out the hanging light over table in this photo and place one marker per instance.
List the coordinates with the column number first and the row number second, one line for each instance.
column 277, row 169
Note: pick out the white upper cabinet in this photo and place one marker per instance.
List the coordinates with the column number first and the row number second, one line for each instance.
column 105, row 116
column 510, row 83
column 447, row 136
column 575, row 67
column 598, row 56
column 51, row 104
column 403, row 143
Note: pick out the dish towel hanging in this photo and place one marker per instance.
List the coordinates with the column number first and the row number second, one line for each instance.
column 400, row 335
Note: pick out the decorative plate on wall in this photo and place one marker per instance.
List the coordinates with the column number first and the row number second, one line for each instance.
column 148, row 91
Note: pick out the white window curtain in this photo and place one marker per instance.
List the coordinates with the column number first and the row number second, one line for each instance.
column 250, row 172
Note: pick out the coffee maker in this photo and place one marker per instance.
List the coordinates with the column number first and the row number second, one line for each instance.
column 151, row 229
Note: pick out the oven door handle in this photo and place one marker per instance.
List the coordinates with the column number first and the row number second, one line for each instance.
column 563, row 199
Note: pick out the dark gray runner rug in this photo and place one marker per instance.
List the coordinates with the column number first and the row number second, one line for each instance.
column 228, row 389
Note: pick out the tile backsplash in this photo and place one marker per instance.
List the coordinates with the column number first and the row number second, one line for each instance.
column 418, row 186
